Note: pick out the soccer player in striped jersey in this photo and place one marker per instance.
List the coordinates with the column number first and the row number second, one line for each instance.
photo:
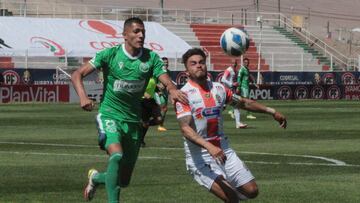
column 229, row 80
column 209, row 158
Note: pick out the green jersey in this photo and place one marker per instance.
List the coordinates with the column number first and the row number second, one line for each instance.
column 125, row 80
column 243, row 77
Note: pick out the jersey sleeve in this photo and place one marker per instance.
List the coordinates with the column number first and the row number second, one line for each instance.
column 228, row 95
column 150, row 88
column 225, row 78
column 182, row 110
column 100, row 59
column 159, row 68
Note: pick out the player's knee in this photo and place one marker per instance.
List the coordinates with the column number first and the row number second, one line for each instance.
column 115, row 157
column 159, row 120
column 251, row 192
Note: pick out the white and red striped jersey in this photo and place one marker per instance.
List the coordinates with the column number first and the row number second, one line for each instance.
column 205, row 107
column 229, row 77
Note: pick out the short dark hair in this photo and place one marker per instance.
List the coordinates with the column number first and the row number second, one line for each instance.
column 164, row 58
column 132, row 20
column 191, row 52
column 246, row 59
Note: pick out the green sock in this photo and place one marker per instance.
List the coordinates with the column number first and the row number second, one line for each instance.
column 112, row 177
column 99, row 178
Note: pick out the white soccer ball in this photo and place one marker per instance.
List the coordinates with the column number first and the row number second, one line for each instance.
column 234, row 41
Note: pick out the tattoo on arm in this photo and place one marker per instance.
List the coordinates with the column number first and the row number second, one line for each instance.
column 187, row 125
column 186, row 120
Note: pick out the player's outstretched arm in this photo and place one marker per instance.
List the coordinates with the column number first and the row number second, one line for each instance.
column 185, row 123
column 225, row 77
column 175, row 94
column 254, row 106
column 77, row 81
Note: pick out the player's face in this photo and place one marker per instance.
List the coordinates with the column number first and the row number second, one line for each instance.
column 196, row 67
column 246, row 63
column 134, row 35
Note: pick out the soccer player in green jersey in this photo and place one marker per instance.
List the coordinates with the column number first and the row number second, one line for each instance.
column 243, row 79
column 127, row 70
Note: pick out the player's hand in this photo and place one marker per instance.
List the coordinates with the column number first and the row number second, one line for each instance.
column 235, row 84
column 218, row 154
column 87, row 104
column 177, row 95
column 281, row 119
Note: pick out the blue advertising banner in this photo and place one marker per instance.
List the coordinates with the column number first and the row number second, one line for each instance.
column 40, row 76
column 288, row 78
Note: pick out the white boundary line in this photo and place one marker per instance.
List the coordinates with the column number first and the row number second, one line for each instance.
column 168, row 158
column 333, row 162
column 48, row 144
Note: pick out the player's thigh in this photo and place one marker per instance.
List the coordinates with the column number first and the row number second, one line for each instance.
column 205, row 174
column 132, row 133
column 108, row 131
column 245, row 92
column 237, row 173
column 146, row 110
column 155, row 110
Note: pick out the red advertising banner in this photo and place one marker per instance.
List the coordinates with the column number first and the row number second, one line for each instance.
column 34, row 93
column 352, row 92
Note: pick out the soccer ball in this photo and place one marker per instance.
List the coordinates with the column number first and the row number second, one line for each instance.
column 234, row 41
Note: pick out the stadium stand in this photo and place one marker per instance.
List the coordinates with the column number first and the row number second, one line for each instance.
column 6, row 62
column 281, row 53
column 322, row 60
column 185, row 32
column 209, row 36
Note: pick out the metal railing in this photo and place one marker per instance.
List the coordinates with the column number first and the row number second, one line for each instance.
column 28, row 61
column 313, row 41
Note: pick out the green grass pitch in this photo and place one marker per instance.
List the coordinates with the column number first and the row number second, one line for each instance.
column 46, row 150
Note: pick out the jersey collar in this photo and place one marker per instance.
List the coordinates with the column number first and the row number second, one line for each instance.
column 129, row 55
column 194, row 84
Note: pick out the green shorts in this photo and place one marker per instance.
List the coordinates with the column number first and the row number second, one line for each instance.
column 114, row 131
column 244, row 92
